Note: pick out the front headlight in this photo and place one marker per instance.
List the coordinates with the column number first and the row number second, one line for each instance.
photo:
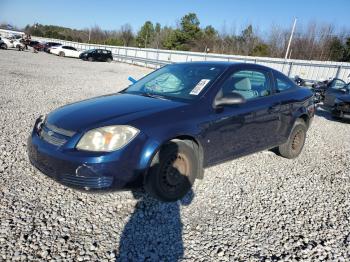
column 107, row 139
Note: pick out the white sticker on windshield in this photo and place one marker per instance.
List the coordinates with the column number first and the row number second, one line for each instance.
column 199, row 87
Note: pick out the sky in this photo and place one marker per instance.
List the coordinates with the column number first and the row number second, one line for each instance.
column 232, row 15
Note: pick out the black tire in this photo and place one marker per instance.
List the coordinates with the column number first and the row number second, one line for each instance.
column 295, row 143
column 90, row 59
column 172, row 171
column 4, row 46
column 109, row 60
column 61, row 54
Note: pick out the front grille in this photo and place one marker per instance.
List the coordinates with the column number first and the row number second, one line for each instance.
column 55, row 135
column 49, row 137
column 60, row 131
column 93, row 182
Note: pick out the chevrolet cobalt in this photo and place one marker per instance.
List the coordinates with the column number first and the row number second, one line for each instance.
column 164, row 129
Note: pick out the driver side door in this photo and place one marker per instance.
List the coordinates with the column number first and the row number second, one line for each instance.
column 237, row 130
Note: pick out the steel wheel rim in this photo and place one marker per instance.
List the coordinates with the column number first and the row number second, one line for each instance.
column 175, row 172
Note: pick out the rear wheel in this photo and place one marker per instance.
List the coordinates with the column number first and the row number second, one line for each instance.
column 293, row 147
column 109, row 60
column 61, row 54
column 172, row 171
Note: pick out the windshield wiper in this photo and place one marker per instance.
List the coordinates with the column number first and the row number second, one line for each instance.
column 153, row 95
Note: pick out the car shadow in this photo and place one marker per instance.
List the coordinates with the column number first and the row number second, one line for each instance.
column 154, row 230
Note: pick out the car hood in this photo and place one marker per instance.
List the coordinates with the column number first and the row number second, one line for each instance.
column 107, row 110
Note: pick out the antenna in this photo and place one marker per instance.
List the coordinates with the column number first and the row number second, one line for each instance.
column 290, row 38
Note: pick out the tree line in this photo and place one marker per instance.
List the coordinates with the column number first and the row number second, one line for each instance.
column 313, row 42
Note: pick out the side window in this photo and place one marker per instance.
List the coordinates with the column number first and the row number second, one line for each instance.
column 283, row 83
column 249, row 83
column 104, row 52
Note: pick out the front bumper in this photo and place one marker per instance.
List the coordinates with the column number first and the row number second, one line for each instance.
column 85, row 170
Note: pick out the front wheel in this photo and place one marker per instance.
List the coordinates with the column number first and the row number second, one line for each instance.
column 172, row 171
column 293, row 147
column 4, row 46
column 90, row 59
column 61, row 54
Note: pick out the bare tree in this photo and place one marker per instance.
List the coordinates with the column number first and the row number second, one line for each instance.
column 126, row 34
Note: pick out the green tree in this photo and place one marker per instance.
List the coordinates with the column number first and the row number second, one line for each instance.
column 186, row 36
column 247, row 40
column 209, row 37
column 190, row 26
column 175, row 39
column 346, row 56
column 261, row 49
column 146, row 34
column 336, row 49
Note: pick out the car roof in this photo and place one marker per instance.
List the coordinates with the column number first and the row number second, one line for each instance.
column 226, row 64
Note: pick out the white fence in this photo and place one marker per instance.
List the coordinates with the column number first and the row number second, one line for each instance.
column 307, row 69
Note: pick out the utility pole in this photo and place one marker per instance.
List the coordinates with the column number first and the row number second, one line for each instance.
column 89, row 35
column 290, row 38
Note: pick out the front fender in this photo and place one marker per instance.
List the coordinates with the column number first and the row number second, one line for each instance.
column 147, row 153
column 151, row 148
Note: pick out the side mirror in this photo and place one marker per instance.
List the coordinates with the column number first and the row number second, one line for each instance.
column 229, row 99
column 132, row 80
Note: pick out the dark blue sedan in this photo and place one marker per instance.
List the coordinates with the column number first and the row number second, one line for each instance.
column 163, row 130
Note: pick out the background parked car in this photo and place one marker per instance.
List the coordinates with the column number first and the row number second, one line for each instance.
column 33, row 43
column 39, row 46
column 49, row 45
column 68, row 51
column 1, row 43
column 97, row 55
column 12, row 43
column 319, row 88
column 337, row 100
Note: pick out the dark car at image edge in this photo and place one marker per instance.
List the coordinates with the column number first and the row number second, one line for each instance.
column 164, row 129
column 337, row 100
column 101, row 55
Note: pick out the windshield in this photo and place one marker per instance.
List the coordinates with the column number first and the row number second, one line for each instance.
column 182, row 81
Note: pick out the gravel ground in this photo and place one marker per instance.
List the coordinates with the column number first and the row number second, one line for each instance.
column 258, row 208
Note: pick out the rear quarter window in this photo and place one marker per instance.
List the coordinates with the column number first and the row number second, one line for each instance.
column 282, row 82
